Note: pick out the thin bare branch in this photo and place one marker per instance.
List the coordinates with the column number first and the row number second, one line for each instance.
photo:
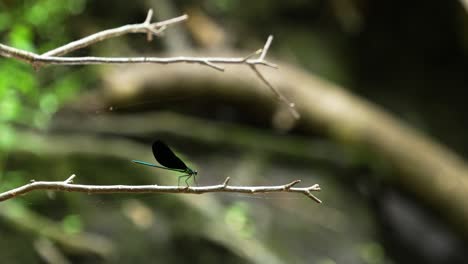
column 261, row 60
column 149, row 16
column 266, row 47
column 313, row 197
column 291, row 184
column 226, row 181
column 68, row 186
column 34, row 58
column 212, row 65
column 70, row 179
column 246, row 58
column 145, row 27
column 11, row 52
column 290, row 105
column 53, row 56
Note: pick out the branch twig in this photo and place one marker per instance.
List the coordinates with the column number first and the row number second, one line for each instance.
column 68, row 186
column 145, row 27
column 290, row 105
column 33, row 58
column 53, row 56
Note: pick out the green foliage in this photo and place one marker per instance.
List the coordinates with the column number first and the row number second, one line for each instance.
column 72, row 224
column 28, row 97
column 237, row 217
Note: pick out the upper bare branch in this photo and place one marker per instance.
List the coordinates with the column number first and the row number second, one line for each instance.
column 145, row 27
column 53, row 56
column 33, row 58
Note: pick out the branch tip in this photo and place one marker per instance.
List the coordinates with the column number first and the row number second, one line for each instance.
column 291, row 184
column 226, row 181
column 266, row 47
column 294, row 113
column 314, row 187
column 149, row 36
column 70, row 179
column 313, row 197
column 171, row 21
column 269, row 64
column 149, row 16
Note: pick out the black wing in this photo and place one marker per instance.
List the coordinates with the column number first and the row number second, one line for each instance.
column 164, row 155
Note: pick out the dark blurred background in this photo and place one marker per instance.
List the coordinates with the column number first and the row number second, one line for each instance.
column 407, row 57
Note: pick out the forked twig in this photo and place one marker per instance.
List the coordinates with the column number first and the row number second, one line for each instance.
column 145, row 27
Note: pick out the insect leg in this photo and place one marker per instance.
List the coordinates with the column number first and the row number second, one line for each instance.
column 181, row 176
column 195, row 179
column 188, row 178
